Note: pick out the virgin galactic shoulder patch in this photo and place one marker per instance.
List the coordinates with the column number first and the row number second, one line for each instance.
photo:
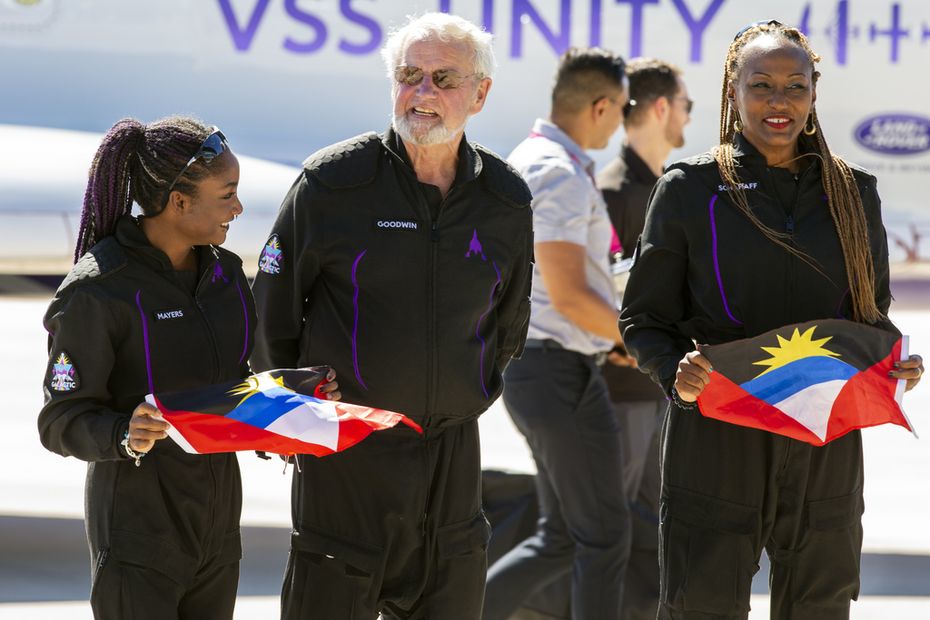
column 272, row 256
column 64, row 376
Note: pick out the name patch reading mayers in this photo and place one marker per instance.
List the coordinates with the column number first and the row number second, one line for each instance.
column 396, row 224
column 164, row 315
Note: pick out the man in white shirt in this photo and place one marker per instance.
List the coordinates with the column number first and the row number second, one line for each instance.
column 555, row 393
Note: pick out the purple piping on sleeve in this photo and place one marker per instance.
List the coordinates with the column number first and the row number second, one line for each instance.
column 145, row 340
column 478, row 327
column 245, row 315
column 358, row 375
column 713, row 234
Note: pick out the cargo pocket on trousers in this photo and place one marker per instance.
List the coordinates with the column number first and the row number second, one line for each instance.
column 707, row 564
column 826, row 573
column 330, row 578
column 462, row 565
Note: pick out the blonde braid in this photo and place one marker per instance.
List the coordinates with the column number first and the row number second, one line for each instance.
column 843, row 197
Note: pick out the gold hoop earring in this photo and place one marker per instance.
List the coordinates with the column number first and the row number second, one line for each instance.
column 813, row 128
column 738, row 125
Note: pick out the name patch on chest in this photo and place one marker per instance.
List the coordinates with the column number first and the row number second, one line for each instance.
column 742, row 186
column 396, row 224
column 166, row 315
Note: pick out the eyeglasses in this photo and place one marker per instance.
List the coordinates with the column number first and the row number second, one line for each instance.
column 632, row 103
column 689, row 103
column 764, row 22
column 444, row 79
column 212, row 147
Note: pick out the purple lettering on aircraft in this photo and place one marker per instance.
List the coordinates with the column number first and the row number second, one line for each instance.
column 242, row 39
column 366, row 22
column 314, row 22
column 524, row 11
column 636, row 24
column 697, row 26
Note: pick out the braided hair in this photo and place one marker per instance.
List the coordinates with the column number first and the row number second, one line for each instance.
column 843, row 197
column 137, row 163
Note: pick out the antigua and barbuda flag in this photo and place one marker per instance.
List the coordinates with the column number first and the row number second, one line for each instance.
column 813, row 381
column 277, row 411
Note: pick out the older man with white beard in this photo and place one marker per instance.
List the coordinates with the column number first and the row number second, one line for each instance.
column 403, row 260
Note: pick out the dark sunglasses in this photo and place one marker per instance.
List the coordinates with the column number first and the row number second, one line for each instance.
column 689, row 103
column 764, row 22
column 212, row 147
column 445, row 79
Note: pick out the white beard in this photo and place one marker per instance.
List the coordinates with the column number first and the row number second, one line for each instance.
column 437, row 134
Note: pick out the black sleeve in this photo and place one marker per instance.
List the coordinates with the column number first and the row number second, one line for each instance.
column 514, row 308
column 656, row 297
column 75, row 420
column 280, row 298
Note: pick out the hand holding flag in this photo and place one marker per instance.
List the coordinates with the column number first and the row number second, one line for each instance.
column 815, row 381
column 277, row 411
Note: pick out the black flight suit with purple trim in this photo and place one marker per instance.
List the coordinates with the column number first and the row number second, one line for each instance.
column 418, row 302
column 164, row 536
column 704, row 273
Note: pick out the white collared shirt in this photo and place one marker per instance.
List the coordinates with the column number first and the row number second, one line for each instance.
column 567, row 206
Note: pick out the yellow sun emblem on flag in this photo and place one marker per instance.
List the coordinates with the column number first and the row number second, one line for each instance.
column 255, row 385
column 797, row 347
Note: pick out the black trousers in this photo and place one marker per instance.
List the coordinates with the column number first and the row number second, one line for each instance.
column 728, row 492
column 641, row 422
column 127, row 591
column 393, row 525
column 559, row 401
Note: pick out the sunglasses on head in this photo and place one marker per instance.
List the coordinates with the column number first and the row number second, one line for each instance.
column 764, row 22
column 444, row 79
column 212, row 147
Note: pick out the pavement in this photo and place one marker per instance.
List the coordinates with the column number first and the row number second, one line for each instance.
column 44, row 565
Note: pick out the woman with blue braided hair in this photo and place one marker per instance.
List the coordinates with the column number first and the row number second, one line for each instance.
column 152, row 304
column 767, row 229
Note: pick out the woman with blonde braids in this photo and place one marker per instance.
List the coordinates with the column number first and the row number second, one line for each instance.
column 767, row 229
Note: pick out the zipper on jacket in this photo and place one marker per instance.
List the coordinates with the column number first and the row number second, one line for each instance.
column 209, row 328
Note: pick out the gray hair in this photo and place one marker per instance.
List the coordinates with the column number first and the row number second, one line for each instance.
column 446, row 28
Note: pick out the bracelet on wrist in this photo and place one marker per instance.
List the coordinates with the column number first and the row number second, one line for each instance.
column 683, row 404
column 129, row 451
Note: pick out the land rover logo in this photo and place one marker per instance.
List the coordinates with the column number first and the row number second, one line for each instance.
column 895, row 134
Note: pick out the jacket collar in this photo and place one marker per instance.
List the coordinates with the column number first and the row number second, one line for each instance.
column 469, row 162
column 130, row 236
column 744, row 150
column 636, row 166
column 551, row 131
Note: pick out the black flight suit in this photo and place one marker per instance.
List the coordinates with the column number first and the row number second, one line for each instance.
column 704, row 273
column 418, row 302
column 164, row 536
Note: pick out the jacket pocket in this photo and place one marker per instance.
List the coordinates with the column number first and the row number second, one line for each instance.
column 153, row 553
column 464, row 537
column 329, row 577
column 826, row 573
column 707, row 559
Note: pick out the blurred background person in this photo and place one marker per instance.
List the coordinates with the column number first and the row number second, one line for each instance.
column 555, row 393
column 653, row 121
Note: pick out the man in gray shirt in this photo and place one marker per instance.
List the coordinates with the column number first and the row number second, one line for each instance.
column 555, row 393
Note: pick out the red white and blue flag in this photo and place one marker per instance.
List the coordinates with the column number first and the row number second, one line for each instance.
column 813, row 381
column 277, row 411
